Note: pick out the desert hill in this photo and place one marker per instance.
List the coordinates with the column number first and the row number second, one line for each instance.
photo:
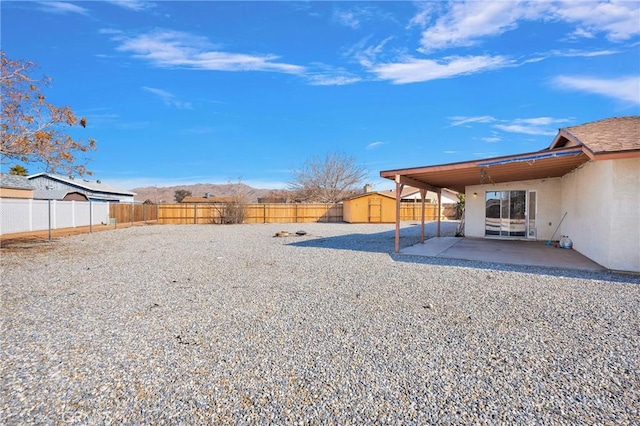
column 166, row 194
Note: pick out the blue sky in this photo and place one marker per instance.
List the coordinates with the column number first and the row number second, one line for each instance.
column 210, row 92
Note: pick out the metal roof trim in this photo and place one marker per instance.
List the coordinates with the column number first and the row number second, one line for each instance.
column 532, row 158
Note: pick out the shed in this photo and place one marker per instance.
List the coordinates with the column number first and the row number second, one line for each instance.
column 370, row 207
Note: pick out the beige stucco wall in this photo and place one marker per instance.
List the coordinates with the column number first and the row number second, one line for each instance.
column 549, row 214
column 603, row 201
column 16, row 193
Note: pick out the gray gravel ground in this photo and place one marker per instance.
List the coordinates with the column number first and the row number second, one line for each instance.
column 228, row 324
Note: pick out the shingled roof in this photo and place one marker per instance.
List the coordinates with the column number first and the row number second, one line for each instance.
column 15, row 182
column 617, row 134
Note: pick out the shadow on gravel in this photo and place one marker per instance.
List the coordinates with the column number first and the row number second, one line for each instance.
column 555, row 272
column 384, row 242
column 381, row 242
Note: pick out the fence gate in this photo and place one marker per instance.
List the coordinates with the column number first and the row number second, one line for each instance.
column 375, row 210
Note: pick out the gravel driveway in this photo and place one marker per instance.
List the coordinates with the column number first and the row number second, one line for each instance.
column 229, row 324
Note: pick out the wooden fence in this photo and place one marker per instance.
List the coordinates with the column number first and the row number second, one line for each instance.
column 204, row 214
column 252, row 213
column 129, row 213
column 412, row 211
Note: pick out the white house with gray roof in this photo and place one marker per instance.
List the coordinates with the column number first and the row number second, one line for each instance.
column 54, row 187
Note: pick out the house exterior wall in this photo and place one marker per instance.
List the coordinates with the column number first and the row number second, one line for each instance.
column 445, row 198
column 16, row 193
column 602, row 199
column 548, row 206
column 46, row 183
column 602, row 202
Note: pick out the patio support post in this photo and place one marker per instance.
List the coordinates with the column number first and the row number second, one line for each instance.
column 439, row 209
column 399, row 188
column 423, row 195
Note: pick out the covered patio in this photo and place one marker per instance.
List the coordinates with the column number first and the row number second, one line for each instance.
column 457, row 176
column 512, row 252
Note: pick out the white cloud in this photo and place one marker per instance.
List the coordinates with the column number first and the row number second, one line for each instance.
column 413, row 70
column 331, row 80
column 546, row 126
column 527, row 130
column 467, row 23
column 348, row 18
column 168, row 98
column 135, row 5
column 460, row 120
column 618, row 20
column 60, row 7
column 538, row 126
column 367, row 56
column 423, row 17
column 491, row 139
column 353, row 17
column 375, row 144
column 626, row 89
column 168, row 49
column 327, row 75
column 572, row 53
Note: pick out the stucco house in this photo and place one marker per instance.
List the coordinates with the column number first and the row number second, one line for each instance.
column 410, row 194
column 12, row 186
column 54, row 187
column 585, row 185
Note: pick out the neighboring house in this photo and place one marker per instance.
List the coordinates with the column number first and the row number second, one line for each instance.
column 12, row 186
column 53, row 187
column 589, row 175
column 272, row 200
column 411, row 194
column 207, row 199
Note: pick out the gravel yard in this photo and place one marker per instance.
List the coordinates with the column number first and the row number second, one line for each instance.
column 229, row 324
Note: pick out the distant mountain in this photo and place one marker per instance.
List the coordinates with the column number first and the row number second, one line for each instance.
column 166, row 194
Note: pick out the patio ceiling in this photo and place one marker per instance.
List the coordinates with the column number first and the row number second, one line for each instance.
column 456, row 176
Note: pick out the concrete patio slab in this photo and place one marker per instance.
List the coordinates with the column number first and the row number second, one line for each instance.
column 514, row 252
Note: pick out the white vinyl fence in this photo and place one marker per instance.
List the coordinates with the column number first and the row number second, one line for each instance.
column 18, row 215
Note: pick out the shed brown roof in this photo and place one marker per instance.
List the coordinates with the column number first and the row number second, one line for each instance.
column 617, row 134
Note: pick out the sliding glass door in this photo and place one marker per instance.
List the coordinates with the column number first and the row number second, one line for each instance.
column 506, row 213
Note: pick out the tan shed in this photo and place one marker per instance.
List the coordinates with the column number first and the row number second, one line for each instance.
column 371, row 207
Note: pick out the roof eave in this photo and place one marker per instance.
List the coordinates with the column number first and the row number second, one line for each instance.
column 391, row 174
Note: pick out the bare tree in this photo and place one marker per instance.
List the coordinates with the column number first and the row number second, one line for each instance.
column 328, row 179
column 180, row 194
column 233, row 210
column 32, row 130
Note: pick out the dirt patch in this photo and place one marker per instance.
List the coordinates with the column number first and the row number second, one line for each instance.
column 42, row 240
